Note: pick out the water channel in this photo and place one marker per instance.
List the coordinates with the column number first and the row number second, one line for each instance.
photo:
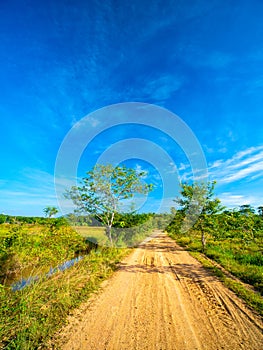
column 26, row 281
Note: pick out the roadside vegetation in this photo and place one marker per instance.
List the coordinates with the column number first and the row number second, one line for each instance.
column 26, row 246
column 98, row 235
column 231, row 238
column 30, row 316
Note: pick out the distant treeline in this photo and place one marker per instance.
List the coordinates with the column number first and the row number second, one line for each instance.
column 10, row 219
column 122, row 220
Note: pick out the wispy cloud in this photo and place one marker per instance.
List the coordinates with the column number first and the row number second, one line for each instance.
column 229, row 199
column 244, row 165
column 29, row 193
column 193, row 175
column 84, row 122
column 163, row 87
column 139, row 169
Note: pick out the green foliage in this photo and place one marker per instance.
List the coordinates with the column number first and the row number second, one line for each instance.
column 198, row 210
column 125, row 220
column 9, row 219
column 50, row 211
column 238, row 224
column 129, row 229
column 234, row 240
column 2, row 218
column 104, row 189
column 260, row 211
column 176, row 223
column 198, row 198
column 243, row 223
column 42, row 246
column 133, row 235
column 246, row 209
column 160, row 221
column 81, row 220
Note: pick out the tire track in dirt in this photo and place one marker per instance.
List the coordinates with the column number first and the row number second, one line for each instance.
column 162, row 298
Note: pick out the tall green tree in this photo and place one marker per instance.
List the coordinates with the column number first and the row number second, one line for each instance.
column 104, row 189
column 50, row 211
column 198, row 206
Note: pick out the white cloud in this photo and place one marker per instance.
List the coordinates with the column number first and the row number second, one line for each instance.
column 222, row 150
column 85, row 122
column 183, row 166
column 22, row 202
column 29, row 193
column 172, row 169
column 244, row 165
column 232, row 200
column 243, row 173
column 139, row 169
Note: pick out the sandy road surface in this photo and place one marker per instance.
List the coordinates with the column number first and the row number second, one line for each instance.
column 162, row 298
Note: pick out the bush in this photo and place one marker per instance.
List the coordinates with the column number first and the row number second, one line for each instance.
column 44, row 246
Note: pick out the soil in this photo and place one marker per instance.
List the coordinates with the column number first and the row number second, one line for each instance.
column 162, row 298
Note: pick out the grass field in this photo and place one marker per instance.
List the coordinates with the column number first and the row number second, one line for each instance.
column 30, row 316
column 122, row 237
column 93, row 233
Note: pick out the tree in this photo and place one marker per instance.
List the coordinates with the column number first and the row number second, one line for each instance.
column 104, row 189
column 246, row 209
column 50, row 211
column 198, row 206
column 260, row 210
column 2, row 218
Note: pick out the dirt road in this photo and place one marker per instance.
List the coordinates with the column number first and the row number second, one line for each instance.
column 162, row 298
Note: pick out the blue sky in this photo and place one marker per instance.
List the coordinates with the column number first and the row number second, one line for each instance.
column 62, row 60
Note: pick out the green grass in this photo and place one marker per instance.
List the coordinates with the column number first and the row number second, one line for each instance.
column 93, row 233
column 123, row 237
column 249, row 296
column 23, row 247
column 29, row 317
column 244, row 262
